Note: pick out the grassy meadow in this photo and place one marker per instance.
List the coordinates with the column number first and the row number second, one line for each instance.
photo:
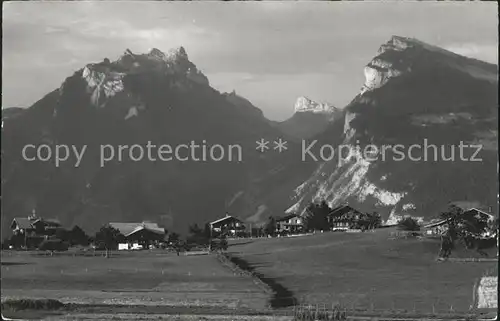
column 365, row 270
column 361, row 271
column 156, row 281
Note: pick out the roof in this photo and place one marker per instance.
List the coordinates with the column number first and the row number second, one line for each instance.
column 438, row 223
column 341, row 208
column 49, row 221
column 130, row 228
column 143, row 228
column 287, row 217
column 22, row 222
column 228, row 217
column 480, row 211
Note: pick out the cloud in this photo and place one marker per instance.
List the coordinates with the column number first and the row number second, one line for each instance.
column 488, row 53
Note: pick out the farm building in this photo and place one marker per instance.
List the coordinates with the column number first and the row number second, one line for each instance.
column 437, row 227
column 292, row 223
column 228, row 225
column 34, row 229
column 343, row 217
column 143, row 234
column 474, row 215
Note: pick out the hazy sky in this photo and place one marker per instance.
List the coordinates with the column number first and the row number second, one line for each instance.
column 269, row 52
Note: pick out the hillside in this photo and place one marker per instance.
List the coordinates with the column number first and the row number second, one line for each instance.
column 155, row 97
column 421, row 95
column 364, row 271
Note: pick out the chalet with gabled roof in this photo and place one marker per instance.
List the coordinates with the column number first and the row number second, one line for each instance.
column 290, row 224
column 144, row 233
column 228, row 226
column 35, row 229
column 343, row 217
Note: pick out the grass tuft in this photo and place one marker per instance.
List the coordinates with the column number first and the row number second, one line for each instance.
column 32, row 304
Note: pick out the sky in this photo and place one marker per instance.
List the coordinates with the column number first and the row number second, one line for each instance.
column 268, row 52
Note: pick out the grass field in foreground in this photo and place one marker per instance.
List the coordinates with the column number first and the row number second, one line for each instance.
column 130, row 278
column 366, row 270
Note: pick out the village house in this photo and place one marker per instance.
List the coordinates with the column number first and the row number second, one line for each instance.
column 228, row 226
column 343, row 217
column 34, row 230
column 440, row 226
column 436, row 227
column 290, row 224
column 139, row 235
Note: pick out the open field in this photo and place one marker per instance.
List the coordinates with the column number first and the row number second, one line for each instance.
column 365, row 271
column 147, row 280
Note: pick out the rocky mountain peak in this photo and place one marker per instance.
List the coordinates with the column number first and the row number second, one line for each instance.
column 156, row 53
column 105, row 79
column 177, row 54
column 401, row 55
column 304, row 104
column 414, row 92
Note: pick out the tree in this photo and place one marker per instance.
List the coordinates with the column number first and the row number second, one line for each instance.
column 207, row 231
column 173, row 237
column 464, row 226
column 78, row 236
column 109, row 237
column 371, row 220
column 63, row 235
column 317, row 216
column 197, row 235
column 270, row 227
column 53, row 245
column 408, row 224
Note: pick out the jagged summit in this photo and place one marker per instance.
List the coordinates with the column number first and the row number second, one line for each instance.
column 304, row 104
column 105, row 79
column 155, row 52
column 177, row 53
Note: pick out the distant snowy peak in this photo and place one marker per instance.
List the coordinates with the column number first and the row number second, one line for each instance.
column 304, row 104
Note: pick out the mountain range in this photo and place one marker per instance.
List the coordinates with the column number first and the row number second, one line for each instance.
column 414, row 92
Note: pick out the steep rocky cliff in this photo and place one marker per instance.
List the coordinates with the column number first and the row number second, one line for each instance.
column 416, row 95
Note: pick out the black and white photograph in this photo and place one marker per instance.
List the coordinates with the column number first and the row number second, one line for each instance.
column 249, row 160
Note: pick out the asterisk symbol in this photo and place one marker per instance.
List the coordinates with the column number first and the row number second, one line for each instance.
column 262, row 145
column 280, row 145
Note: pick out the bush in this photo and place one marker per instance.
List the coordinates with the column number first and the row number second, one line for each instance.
column 30, row 304
column 408, row 224
column 53, row 245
